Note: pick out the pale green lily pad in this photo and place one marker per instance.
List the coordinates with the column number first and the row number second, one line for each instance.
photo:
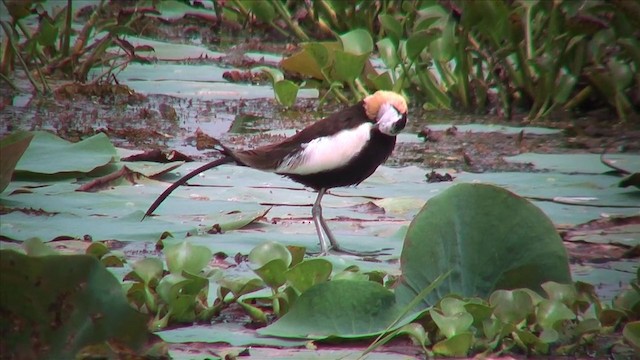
column 175, row 10
column 127, row 227
column 231, row 333
column 576, row 163
column 488, row 237
column 48, row 154
column 486, row 128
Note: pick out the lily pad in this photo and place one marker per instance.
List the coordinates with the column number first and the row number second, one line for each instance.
column 48, row 154
column 61, row 303
column 491, row 239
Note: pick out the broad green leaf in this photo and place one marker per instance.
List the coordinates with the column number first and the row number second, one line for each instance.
column 268, row 251
column 631, row 334
column 63, row 303
column 12, row 148
column 232, row 333
column 491, row 239
column 388, row 52
column 452, row 325
column 417, row 42
column 148, row 269
column 357, row 42
column 382, row 81
column 273, row 273
column 286, row 92
column 263, row 10
column 565, row 293
column 347, row 66
column 549, row 312
column 49, row 154
column 187, row 257
column 511, row 306
column 457, row 346
column 392, row 26
column 308, row 273
column 341, row 308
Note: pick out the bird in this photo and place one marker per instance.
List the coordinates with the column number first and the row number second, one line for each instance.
column 342, row 149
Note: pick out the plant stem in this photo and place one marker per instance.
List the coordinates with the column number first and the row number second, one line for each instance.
column 284, row 13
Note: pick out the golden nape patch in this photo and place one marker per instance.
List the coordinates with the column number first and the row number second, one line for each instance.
column 373, row 102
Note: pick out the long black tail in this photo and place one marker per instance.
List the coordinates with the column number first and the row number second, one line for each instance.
column 225, row 160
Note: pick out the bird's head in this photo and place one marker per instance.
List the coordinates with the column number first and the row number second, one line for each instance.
column 388, row 110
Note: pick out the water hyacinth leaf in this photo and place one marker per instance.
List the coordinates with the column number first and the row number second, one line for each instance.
column 511, row 306
column 417, row 42
column 357, row 42
column 35, row 247
column 565, row 293
column 347, row 66
column 273, row 273
column 148, row 269
column 254, row 313
column 631, row 334
column 443, row 47
column 489, row 237
column 564, row 88
column 549, row 312
column 388, row 52
column 453, row 324
column 308, row 273
column 391, row 26
column 12, row 148
column 456, row 346
column 64, row 303
column 286, row 92
column 382, row 81
column 268, row 251
column 340, row 308
column 48, row 154
column 187, row 257
column 263, row 10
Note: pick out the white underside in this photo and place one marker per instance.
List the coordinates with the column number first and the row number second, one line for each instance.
column 327, row 153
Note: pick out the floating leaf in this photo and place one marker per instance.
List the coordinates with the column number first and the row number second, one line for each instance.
column 343, row 308
column 63, row 303
column 48, row 154
column 490, row 238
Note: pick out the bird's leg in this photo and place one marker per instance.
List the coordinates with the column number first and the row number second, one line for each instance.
column 318, row 221
column 322, row 228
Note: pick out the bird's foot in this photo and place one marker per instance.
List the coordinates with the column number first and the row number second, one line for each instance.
column 341, row 250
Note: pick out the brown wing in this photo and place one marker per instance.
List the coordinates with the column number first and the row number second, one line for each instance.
column 270, row 156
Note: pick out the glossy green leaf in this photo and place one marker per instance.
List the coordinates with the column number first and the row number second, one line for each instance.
column 308, row 273
column 549, row 312
column 268, row 251
column 148, row 269
column 48, row 154
column 348, row 66
column 565, row 293
column 391, row 26
column 457, row 346
column 357, row 42
column 342, row 308
column 12, row 147
column 453, row 324
column 187, row 257
column 286, row 92
column 35, row 247
column 263, row 10
column 490, row 238
column 511, row 306
column 417, row 42
column 63, row 303
column 273, row 273
column 388, row 52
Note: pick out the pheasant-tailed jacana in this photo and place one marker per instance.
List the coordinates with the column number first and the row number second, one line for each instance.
column 342, row 149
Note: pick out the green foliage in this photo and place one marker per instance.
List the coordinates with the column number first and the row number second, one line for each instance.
column 491, row 239
column 540, row 56
column 56, row 305
column 55, row 48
